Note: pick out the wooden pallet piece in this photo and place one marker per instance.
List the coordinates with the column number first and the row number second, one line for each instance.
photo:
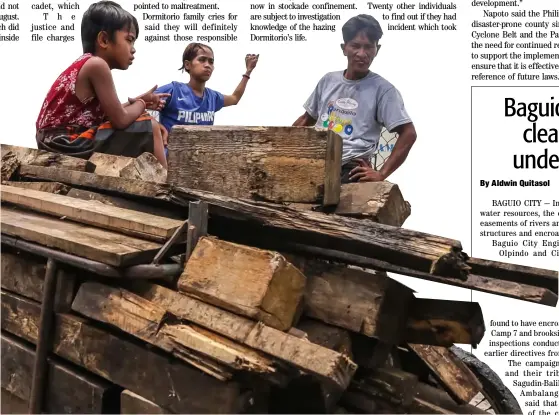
column 90, row 213
column 69, row 390
column 167, row 382
column 24, row 274
column 280, row 164
column 151, row 323
column 253, row 282
column 99, row 245
column 322, row 363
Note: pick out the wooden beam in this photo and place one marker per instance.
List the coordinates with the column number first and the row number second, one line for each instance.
column 193, row 344
column 131, row 403
column 10, row 164
column 24, row 274
column 259, row 284
column 69, row 390
column 516, row 273
column 169, row 383
column 92, row 243
column 454, row 376
column 103, row 216
column 368, row 303
column 418, row 251
column 334, row 368
column 444, row 322
column 35, row 157
column 50, row 187
column 332, row 169
column 280, row 164
column 145, row 167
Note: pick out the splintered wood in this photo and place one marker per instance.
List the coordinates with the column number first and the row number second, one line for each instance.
column 281, row 164
column 35, row 157
column 253, row 282
column 145, row 167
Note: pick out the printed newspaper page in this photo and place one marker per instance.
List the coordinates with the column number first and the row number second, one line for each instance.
column 455, row 104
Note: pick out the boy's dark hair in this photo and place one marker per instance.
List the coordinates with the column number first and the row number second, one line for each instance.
column 105, row 16
column 191, row 51
column 359, row 23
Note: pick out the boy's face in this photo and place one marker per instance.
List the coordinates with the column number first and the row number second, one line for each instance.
column 360, row 52
column 121, row 51
column 202, row 66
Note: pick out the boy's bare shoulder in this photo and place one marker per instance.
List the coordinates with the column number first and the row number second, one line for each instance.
column 96, row 64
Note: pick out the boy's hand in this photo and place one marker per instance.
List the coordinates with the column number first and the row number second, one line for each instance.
column 154, row 101
column 365, row 173
column 251, row 60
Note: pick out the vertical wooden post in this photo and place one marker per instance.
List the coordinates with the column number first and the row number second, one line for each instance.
column 197, row 225
column 40, row 367
column 333, row 170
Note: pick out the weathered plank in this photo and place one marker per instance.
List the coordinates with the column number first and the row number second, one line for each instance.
column 280, row 164
column 35, row 157
column 364, row 302
column 145, row 167
column 24, row 274
column 124, row 203
column 332, row 169
column 444, row 322
column 92, row 243
column 103, row 216
column 150, row 322
column 516, row 273
column 334, row 368
column 68, row 390
column 10, row 164
column 131, row 403
column 50, row 187
column 430, row 400
column 11, row 404
column 405, row 248
column 169, row 383
column 252, row 282
column 331, row 337
column 455, row 377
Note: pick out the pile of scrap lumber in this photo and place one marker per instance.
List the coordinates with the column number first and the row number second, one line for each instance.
column 270, row 294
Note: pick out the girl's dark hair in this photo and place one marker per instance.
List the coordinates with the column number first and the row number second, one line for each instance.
column 359, row 23
column 191, row 51
column 105, row 16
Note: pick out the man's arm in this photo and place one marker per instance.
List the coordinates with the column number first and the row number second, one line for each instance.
column 304, row 120
column 406, row 140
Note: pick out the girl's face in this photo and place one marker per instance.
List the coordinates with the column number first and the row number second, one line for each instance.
column 202, row 66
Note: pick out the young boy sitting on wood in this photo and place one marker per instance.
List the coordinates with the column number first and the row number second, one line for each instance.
column 193, row 103
column 356, row 103
column 82, row 114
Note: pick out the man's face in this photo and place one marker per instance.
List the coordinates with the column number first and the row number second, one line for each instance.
column 360, row 52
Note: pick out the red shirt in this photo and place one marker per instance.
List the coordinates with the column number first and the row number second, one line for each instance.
column 62, row 107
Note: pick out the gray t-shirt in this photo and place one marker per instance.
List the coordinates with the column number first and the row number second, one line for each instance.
column 357, row 110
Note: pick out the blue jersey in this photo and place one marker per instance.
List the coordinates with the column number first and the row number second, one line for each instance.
column 184, row 107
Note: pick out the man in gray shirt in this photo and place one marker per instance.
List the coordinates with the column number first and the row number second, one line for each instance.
column 356, row 103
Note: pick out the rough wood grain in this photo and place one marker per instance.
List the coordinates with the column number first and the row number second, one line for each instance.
column 281, row 164
column 516, row 273
column 169, row 383
column 252, row 282
column 100, row 215
column 150, row 323
column 331, row 337
column 417, row 251
column 430, row 400
column 131, row 403
column 50, row 187
column 68, row 390
column 35, row 157
column 11, row 404
column 145, row 167
column 455, row 377
column 334, row 368
column 10, row 164
column 332, row 169
column 121, row 202
column 24, row 274
column 364, row 302
column 443, row 322
column 96, row 244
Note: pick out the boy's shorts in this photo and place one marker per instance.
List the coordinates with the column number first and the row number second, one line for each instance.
column 82, row 142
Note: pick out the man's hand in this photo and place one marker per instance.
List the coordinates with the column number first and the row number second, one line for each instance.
column 251, row 60
column 365, row 173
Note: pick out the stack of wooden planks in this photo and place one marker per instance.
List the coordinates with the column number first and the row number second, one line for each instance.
column 274, row 308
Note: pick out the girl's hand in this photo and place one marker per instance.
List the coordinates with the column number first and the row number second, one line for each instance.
column 251, row 60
